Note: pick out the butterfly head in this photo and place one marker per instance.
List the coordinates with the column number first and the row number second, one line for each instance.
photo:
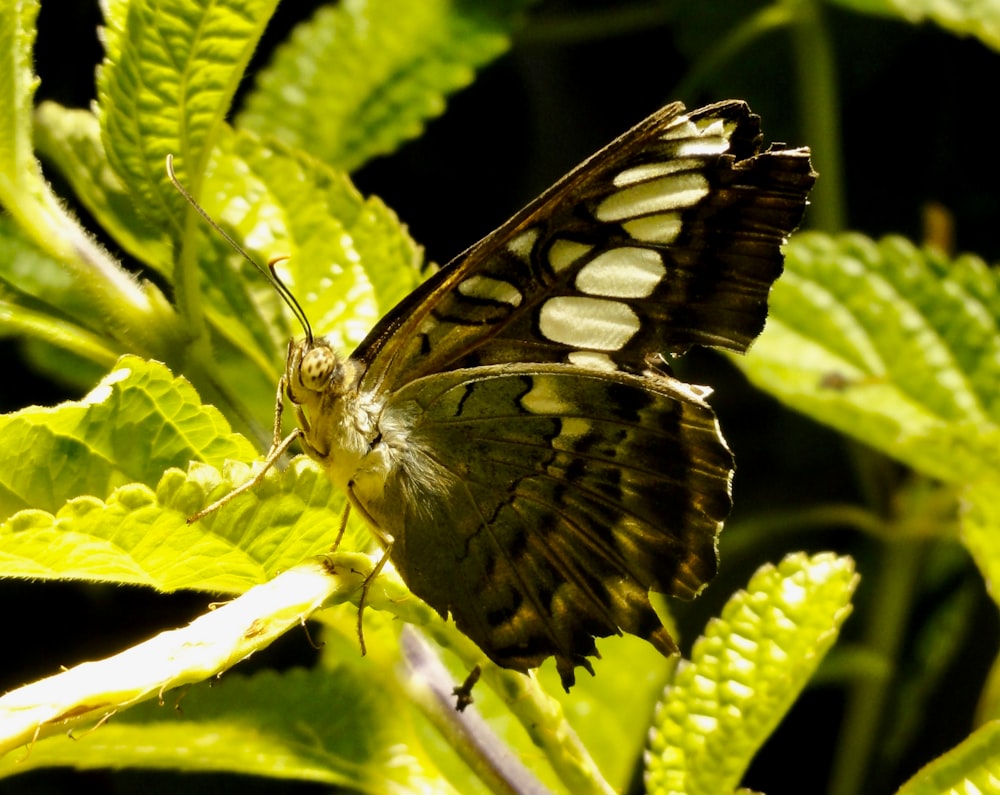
column 313, row 369
column 316, row 366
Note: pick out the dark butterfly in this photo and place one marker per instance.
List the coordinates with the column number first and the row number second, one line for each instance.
column 511, row 431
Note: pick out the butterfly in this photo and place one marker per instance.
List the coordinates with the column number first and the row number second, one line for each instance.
column 511, row 431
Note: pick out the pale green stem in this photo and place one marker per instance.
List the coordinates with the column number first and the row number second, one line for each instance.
column 541, row 715
column 891, row 594
column 731, row 45
column 819, row 109
column 430, row 686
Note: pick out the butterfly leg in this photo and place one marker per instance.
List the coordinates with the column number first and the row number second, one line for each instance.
column 363, row 600
column 279, row 447
column 343, row 528
column 386, row 541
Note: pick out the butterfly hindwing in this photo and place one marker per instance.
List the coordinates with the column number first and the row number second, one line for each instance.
column 559, row 498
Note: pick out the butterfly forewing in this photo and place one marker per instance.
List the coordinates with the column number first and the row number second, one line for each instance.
column 667, row 237
column 511, row 429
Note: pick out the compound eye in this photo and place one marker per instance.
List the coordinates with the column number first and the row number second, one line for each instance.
column 316, row 367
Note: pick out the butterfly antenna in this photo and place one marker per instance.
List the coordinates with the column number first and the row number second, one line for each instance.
column 289, row 297
column 269, row 273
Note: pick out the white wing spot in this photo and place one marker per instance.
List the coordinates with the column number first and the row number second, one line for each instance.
column 573, row 428
column 648, row 171
column 659, row 228
column 681, row 127
column 708, row 137
column 584, row 322
column 712, row 138
column 523, row 243
column 702, row 146
column 563, row 253
column 625, row 272
column 489, row 289
column 543, row 398
column 592, row 360
column 666, row 193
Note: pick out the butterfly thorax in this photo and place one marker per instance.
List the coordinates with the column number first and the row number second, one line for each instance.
column 362, row 440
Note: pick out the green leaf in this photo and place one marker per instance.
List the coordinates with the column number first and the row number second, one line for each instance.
column 327, row 726
column 971, row 766
column 365, row 75
column 139, row 421
column 170, row 72
column 899, row 348
column 72, row 140
column 141, row 536
column 119, row 449
column 123, row 306
column 63, row 332
column 611, row 710
column 108, row 292
column 745, row 673
column 979, row 18
column 36, row 295
column 349, row 259
column 980, row 530
column 891, row 345
column 34, row 279
column 20, row 176
column 63, row 351
column 321, row 203
column 209, row 645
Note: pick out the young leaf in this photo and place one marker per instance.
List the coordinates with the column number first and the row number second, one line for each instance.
column 367, row 74
column 20, row 176
column 745, row 673
column 100, row 283
column 165, row 87
column 33, row 286
column 71, row 139
column 971, row 766
column 349, row 258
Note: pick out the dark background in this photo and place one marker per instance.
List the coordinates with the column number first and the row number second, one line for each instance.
column 916, row 128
